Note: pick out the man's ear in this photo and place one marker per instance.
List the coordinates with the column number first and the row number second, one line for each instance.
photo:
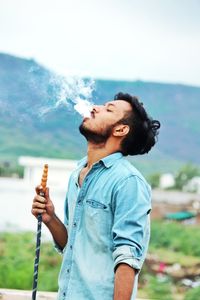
column 121, row 130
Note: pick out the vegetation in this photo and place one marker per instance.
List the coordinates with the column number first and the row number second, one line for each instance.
column 26, row 87
column 172, row 242
column 154, row 180
column 185, row 174
column 175, row 237
column 10, row 169
column 17, row 253
column 193, row 294
column 182, row 177
column 157, row 289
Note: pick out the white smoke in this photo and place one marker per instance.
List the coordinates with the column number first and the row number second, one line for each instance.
column 70, row 91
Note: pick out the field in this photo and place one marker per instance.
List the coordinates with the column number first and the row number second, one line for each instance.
column 171, row 243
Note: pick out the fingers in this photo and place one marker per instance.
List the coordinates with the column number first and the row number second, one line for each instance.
column 40, row 199
column 38, row 207
column 47, row 193
column 36, row 211
column 41, row 203
column 38, row 189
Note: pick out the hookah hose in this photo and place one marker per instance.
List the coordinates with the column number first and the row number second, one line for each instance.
column 38, row 237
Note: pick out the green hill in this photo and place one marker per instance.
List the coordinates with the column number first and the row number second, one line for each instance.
column 26, row 86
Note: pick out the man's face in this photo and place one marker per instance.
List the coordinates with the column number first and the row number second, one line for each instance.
column 99, row 127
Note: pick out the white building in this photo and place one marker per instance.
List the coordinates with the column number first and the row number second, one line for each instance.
column 58, row 173
column 166, row 181
column 193, row 185
column 16, row 194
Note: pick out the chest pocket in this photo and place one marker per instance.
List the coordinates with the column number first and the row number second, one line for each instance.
column 96, row 204
column 97, row 220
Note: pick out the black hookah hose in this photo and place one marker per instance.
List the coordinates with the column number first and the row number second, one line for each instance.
column 37, row 254
column 38, row 237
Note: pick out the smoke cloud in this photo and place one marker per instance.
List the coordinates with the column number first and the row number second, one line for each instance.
column 69, row 92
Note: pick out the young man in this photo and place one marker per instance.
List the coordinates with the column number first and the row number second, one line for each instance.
column 105, row 235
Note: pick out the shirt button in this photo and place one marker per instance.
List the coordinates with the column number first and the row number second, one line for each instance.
column 70, row 246
column 67, row 270
column 74, row 224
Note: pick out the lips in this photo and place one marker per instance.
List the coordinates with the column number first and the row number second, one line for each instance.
column 85, row 119
column 92, row 116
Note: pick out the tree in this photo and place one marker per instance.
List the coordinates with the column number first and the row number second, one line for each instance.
column 154, row 180
column 185, row 174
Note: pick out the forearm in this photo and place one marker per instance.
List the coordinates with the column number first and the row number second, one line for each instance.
column 58, row 231
column 124, row 282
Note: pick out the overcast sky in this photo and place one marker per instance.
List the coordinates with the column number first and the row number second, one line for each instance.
column 154, row 40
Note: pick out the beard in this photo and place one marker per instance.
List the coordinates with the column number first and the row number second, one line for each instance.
column 95, row 137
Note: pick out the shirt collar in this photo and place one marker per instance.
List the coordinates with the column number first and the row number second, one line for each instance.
column 82, row 162
column 108, row 161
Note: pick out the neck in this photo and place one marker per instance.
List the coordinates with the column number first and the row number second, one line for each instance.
column 97, row 152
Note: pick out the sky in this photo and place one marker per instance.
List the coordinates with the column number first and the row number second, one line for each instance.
column 150, row 40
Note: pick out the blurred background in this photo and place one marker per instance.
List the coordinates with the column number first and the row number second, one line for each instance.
column 54, row 51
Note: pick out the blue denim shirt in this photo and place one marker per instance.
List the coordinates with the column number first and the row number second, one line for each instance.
column 108, row 223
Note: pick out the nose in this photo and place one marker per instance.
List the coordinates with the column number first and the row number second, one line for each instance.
column 96, row 108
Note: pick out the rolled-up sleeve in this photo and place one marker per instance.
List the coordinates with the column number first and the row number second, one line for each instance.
column 131, row 226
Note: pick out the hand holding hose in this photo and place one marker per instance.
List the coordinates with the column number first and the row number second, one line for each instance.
column 43, row 205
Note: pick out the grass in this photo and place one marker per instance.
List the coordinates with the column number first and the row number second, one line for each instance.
column 171, row 242
column 17, row 253
column 176, row 237
column 171, row 257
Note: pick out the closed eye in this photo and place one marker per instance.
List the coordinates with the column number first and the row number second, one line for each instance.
column 108, row 106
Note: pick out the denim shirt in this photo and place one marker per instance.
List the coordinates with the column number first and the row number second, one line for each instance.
column 108, row 223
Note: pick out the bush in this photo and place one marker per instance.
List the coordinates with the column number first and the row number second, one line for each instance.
column 157, row 289
column 17, row 254
column 9, row 169
column 185, row 174
column 154, row 180
column 193, row 294
column 176, row 237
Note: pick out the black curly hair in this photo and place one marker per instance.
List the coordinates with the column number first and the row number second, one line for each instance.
column 143, row 131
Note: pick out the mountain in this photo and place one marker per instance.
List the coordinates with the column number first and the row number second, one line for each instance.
column 26, row 87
